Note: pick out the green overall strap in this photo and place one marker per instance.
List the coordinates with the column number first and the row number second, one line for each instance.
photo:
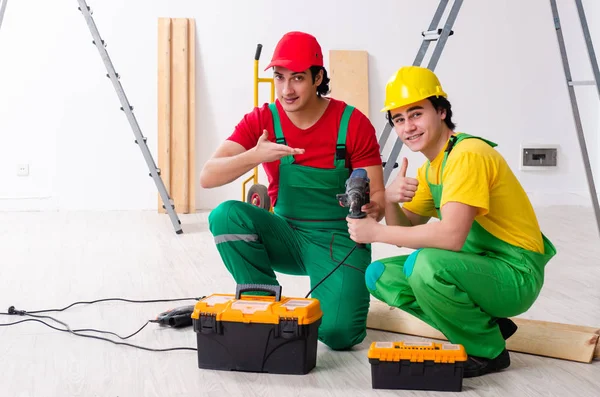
column 454, row 139
column 340, row 148
column 279, row 138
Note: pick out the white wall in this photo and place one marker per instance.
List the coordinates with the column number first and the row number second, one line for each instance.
column 60, row 114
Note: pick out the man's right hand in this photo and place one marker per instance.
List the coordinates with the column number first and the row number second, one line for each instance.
column 403, row 189
column 266, row 151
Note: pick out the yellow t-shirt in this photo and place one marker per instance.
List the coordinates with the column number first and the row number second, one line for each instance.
column 476, row 174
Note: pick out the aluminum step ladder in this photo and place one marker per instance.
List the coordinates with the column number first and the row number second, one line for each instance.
column 140, row 140
column 571, row 88
column 432, row 34
column 2, row 10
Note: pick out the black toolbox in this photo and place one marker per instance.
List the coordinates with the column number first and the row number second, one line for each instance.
column 417, row 365
column 255, row 333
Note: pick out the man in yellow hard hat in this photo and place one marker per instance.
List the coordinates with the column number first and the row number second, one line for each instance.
column 484, row 260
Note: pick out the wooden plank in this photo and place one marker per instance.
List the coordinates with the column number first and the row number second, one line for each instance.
column 192, row 116
column 164, row 105
column 565, row 341
column 180, row 116
column 349, row 74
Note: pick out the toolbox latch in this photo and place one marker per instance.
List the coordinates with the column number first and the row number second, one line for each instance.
column 209, row 324
column 289, row 328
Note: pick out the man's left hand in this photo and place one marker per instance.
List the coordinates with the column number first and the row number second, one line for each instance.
column 371, row 209
column 363, row 230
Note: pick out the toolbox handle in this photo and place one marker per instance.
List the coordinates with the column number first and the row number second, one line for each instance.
column 273, row 289
column 258, row 50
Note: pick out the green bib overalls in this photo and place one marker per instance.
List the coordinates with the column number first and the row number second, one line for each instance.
column 463, row 293
column 306, row 235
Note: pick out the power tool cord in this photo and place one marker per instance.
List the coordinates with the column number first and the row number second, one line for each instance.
column 111, row 299
column 334, row 269
column 77, row 332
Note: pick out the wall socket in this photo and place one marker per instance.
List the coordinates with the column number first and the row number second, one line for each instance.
column 538, row 157
column 23, row 170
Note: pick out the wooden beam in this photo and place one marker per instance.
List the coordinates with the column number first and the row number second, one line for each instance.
column 349, row 74
column 180, row 125
column 177, row 111
column 192, row 116
column 543, row 338
column 164, row 104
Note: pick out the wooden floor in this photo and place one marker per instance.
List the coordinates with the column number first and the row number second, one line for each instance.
column 50, row 260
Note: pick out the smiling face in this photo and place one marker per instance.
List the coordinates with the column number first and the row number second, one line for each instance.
column 295, row 90
column 421, row 127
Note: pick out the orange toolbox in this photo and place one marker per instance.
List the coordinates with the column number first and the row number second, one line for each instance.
column 417, row 365
column 257, row 333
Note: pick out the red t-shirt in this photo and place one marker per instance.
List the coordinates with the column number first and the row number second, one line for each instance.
column 319, row 141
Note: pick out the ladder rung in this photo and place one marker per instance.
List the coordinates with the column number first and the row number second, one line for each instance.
column 89, row 10
column 583, row 82
column 432, row 35
column 145, row 139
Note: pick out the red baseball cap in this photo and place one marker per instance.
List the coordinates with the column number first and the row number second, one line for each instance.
column 297, row 51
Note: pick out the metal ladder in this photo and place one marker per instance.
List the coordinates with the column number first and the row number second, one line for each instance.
column 2, row 10
column 168, row 203
column 432, row 34
column 571, row 88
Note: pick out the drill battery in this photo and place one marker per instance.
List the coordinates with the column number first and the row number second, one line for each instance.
column 417, row 365
column 255, row 333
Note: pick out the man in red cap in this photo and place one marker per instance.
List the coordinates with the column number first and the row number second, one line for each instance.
column 308, row 145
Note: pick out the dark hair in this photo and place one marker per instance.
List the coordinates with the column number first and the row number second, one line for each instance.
column 438, row 103
column 442, row 103
column 323, row 88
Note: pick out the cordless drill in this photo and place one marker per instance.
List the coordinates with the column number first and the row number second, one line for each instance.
column 357, row 194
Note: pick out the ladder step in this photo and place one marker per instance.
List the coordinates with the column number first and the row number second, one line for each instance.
column 157, row 171
column 103, row 43
column 116, row 74
column 145, row 139
column 130, row 108
column 583, row 82
column 432, row 35
column 89, row 10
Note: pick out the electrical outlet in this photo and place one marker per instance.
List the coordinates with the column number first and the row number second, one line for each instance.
column 23, row 170
column 538, row 157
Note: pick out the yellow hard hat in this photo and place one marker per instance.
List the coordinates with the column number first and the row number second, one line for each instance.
column 411, row 84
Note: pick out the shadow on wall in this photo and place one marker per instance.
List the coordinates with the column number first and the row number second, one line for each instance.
column 206, row 141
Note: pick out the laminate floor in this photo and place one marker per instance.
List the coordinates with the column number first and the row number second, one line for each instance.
column 51, row 259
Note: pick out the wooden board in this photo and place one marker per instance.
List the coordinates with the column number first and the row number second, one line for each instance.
column 565, row 341
column 349, row 74
column 164, row 104
column 192, row 116
column 176, row 111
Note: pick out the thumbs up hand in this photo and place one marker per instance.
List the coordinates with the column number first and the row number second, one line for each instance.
column 402, row 189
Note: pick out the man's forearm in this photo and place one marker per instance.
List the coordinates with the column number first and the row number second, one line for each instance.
column 432, row 235
column 379, row 198
column 223, row 170
column 395, row 216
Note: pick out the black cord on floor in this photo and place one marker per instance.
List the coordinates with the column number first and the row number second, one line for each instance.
column 77, row 332
column 113, row 299
column 74, row 332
